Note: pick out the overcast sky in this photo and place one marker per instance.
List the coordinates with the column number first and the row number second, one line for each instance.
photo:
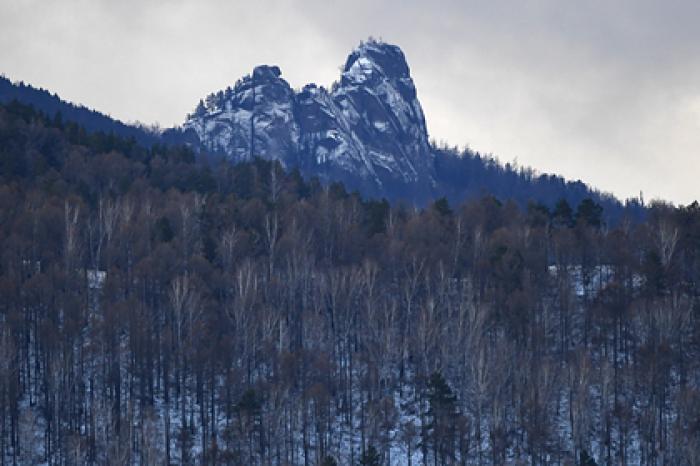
column 603, row 91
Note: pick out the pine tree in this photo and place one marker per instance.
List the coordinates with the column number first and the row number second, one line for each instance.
column 442, row 206
column 370, row 457
column 442, row 414
column 563, row 214
column 589, row 213
column 201, row 109
column 586, row 460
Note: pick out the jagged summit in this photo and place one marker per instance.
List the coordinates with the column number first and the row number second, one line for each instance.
column 266, row 72
column 372, row 58
column 254, row 118
column 368, row 131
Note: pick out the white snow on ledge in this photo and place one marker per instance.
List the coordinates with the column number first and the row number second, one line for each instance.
column 600, row 276
column 96, row 279
column 591, row 281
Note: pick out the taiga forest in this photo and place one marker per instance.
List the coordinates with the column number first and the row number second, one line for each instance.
column 161, row 307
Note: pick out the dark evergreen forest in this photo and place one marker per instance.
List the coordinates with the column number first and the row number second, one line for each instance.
column 159, row 308
column 55, row 107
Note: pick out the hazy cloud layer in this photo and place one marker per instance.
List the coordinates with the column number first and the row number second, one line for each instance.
column 606, row 91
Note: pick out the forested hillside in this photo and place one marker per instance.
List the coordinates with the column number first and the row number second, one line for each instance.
column 450, row 172
column 60, row 110
column 156, row 309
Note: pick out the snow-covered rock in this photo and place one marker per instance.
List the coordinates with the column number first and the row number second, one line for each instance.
column 255, row 118
column 367, row 131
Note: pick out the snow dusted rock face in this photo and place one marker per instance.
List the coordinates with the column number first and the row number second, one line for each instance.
column 368, row 131
column 377, row 99
column 326, row 138
column 255, row 118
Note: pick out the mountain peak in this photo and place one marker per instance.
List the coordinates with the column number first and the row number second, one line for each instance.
column 266, row 72
column 368, row 131
column 374, row 58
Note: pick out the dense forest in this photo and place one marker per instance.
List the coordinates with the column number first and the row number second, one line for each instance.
column 467, row 174
column 156, row 308
column 55, row 107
